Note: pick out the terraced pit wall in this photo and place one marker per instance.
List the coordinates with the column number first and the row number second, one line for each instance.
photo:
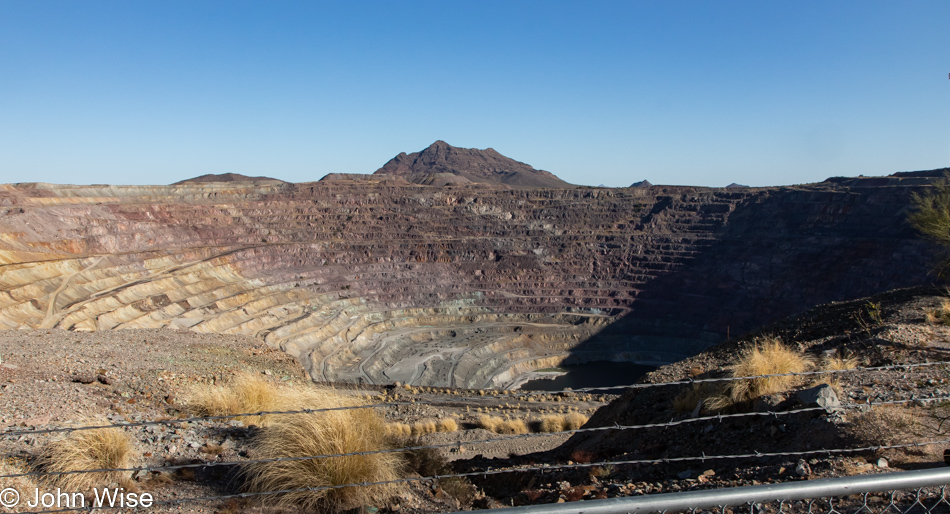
column 461, row 286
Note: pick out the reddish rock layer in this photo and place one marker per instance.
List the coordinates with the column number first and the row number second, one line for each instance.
column 456, row 285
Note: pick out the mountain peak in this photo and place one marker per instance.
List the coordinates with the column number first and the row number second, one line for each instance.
column 441, row 159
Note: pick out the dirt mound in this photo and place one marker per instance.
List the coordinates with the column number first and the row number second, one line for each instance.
column 430, row 167
column 225, row 177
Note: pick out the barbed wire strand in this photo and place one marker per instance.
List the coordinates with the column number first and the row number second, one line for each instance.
column 14, row 433
column 577, row 465
column 455, row 444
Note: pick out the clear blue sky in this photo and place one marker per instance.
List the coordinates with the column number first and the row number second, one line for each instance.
column 677, row 92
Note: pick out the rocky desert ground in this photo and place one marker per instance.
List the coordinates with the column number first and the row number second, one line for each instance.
column 55, row 378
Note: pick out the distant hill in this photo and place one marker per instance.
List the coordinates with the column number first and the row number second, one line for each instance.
column 642, row 183
column 444, row 164
column 226, row 177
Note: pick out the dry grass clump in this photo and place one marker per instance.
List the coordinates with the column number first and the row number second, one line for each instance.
column 835, row 364
column 490, row 423
column 459, row 488
column 323, row 433
column 514, row 426
column 768, row 357
column 940, row 315
column 398, row 430
column 602, row 472
column 695, row 395
column 447, row 425
column 574, row 420
column 101, row 448
column 560, row 423
column 23, row 485
column 427, row 462
column 423, row 427
column 252, row 393
column 502, row 426
column 420, row 428
column 884, row 425
column 839, row 363
column 551, row 423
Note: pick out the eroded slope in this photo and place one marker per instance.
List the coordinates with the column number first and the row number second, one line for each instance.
column 466, row 286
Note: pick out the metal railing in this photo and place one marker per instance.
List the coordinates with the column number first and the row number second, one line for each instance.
column 757, row 498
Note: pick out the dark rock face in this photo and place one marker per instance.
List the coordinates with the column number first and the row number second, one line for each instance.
column 459, row 285
column 444, row 164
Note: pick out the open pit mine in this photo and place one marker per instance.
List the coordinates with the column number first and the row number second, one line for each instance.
column 376, row 279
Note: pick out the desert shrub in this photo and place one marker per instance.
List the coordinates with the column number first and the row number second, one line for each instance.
column 550, row 423
column 101, row 448
column 768, row 357
column 459, row 488
column 423, row 427
column 884, row 425
column 695, row 395
column 602, row 472
column 398, row 430
column 323, row 433
column 833, row 364
column 868, row 317
column 425, row 462
column 252, row 393
column 490, row 423
column 503, row 426
column 838, row 363
column 574, row 420
column 513, row 426
column 447, row 425
column 429, row 462
column 560, row 423
column 940, row 315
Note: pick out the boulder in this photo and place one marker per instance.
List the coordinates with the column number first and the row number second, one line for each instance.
column 822, row 395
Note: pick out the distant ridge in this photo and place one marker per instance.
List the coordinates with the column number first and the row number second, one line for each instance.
column 226, row 177
column 937, row 173
column 642, row 183
column 736, row 186
column 444, row 164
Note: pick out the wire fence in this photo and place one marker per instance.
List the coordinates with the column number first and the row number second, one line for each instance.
column 456, row 444
column 486, row 472
column 521, row 469
column 223, row 417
